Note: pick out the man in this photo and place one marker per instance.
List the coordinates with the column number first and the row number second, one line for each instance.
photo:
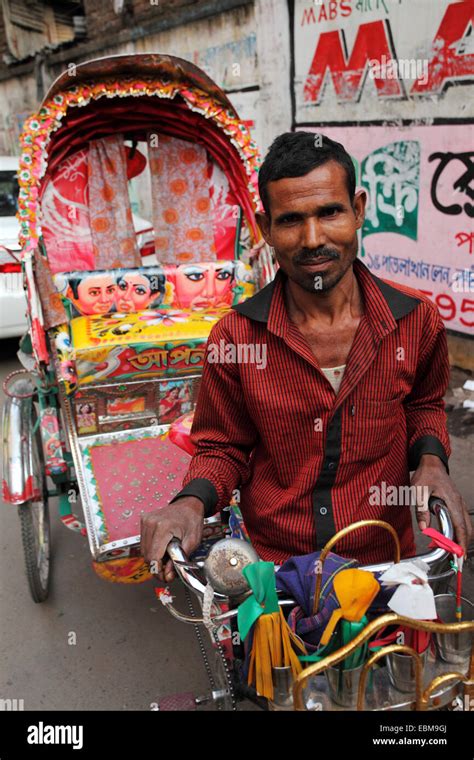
column 351, row 397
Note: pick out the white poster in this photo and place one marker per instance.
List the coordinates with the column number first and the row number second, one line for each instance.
column 358, row 60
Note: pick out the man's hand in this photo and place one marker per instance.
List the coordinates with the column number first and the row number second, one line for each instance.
column 183, row 519
column 433, row 480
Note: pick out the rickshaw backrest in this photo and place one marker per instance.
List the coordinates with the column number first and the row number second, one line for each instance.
column 197, row 286
column 134, row 323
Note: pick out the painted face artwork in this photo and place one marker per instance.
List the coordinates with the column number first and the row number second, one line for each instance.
column 86, row 418
column 95, row 294
column 175, row 400
column 200, row 286
column 106, row 292
column 134, row 292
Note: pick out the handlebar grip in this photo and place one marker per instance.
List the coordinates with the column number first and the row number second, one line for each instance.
column 435, row 503
column 174, row 551
column 438, row 508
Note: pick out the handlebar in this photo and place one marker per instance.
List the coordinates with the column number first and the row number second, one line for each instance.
column 438, row 508
column 186, row 570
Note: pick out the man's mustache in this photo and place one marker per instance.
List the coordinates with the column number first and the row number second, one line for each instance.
column 306, row 255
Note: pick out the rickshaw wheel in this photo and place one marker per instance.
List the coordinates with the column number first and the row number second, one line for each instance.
column 34, row 520
column 35, row 532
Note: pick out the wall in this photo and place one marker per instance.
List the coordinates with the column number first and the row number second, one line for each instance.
column 214, row 32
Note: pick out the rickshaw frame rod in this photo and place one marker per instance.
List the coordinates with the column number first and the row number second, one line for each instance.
column 200, row 641
column 217, row 694
column 217, row 619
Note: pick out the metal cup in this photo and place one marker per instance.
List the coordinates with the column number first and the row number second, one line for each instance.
column 343, row 685
column 401, row 670
column 282, row 689
column 454, row 648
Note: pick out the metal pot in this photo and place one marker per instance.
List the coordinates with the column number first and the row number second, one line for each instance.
column 343, row 685
column 454, row 648
column 282, row 689
column 401, row 670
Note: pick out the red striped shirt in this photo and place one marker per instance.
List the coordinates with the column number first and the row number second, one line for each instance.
column 304, row 458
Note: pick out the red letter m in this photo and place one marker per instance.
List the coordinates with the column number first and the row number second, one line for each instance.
column 371, row 43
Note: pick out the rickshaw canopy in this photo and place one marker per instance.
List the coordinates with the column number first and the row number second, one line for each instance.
column 133, row 95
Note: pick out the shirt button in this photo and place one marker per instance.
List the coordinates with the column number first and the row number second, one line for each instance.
column 331, row 465
column 323, row 511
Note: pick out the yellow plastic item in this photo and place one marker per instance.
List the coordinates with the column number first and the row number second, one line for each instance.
column 272, row 647
column 99, row 331
column 355, row 591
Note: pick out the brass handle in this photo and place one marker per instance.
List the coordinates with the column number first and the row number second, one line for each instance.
column 422, row 701
column 397, row 648
column 389, row 618
column 344, row 532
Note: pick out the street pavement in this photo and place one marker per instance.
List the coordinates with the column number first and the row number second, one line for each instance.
column 129, row 651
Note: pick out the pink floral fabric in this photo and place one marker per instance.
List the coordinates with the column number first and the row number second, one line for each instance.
column 181, row 201
column 113, row 236
column 54, row 313
column 225, row 212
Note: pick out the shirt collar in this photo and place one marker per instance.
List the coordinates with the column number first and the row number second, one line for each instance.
column 384, row 304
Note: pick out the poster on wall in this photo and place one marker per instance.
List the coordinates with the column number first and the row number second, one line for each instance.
column 418, row 229
column 362, row 60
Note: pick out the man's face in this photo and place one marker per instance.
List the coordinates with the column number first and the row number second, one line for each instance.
column 313, row 226
column 95, row 295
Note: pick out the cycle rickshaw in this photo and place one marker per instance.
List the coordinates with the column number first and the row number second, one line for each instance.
column 118, row 323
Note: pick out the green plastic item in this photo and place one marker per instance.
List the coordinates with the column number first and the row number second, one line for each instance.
column 261, row 578
column 344, row 633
